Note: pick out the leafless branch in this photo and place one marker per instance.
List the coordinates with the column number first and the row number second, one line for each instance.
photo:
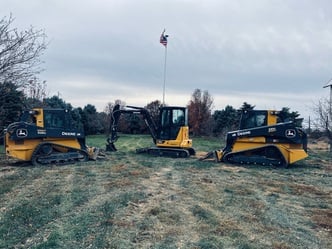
column 20, row 52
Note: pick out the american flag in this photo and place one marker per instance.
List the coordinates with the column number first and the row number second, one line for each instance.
column 163, row 38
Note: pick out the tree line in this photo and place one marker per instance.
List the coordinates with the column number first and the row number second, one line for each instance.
column 21, row 89
column 202, row 121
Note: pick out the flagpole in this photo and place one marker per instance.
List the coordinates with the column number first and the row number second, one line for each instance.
column 164, row 86
column 163, row 41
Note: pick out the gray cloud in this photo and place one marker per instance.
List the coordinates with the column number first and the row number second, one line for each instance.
column 268, row 53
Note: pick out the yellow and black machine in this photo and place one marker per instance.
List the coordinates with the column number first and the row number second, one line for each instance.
column 170, row 135
column 264, row 138
column 47, row 136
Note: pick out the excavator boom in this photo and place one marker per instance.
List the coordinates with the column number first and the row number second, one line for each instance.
column 115, row 117
column 170, row 135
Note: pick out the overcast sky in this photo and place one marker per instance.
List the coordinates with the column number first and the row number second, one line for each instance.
column 269, row 53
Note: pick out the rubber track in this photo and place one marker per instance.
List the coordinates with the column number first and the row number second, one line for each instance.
column 259, row 158
column 57, row 157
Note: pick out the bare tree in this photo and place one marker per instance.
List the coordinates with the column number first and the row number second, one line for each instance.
column 108, row 110
column 153, row 108
column 199, row 112
column 322, row 121
column 20, row 52
column 110, row 105
column 36, row 89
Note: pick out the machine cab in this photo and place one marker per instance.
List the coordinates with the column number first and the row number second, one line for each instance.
column 171, row 120
column 48, row 118
column 57, row 119
column 256, row 118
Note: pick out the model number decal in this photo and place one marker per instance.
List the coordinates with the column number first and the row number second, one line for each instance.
column 273, row 129
column 64, row 133
column 243, row 133
column 41, row 132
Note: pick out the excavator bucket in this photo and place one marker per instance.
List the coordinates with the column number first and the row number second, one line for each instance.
column 110, row 146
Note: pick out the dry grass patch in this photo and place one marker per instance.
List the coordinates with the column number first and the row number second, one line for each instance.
column 319, row 144
column 323, row 219
column 137, row 201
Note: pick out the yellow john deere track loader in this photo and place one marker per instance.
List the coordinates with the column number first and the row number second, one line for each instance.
column 47, row 136
column 263, row 138
column 170, row 135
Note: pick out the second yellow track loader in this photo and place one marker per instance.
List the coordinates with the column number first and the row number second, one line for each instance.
column 264, row 139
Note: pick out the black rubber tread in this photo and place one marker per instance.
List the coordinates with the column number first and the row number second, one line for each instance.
column 165, row 152
column 39, row 157
column 267, row 155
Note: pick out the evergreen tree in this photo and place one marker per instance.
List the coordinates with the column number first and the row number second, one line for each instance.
column 11, row 104
column 225, row 120
column 247, row 107
column 286, row 115
column 92, row 124
column 57, row 102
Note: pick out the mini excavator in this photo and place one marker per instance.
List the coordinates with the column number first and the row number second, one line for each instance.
column 47, row 136
column 263, row 138
column 170, row 136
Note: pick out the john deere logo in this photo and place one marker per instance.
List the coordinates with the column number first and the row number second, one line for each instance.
column 290, row 133
column 21, row 133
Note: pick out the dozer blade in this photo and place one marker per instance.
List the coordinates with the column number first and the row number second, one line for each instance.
column 215, row 154
column 207, row 156
column 96, row 153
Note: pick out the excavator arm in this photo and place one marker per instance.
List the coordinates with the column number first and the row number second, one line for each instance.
column 147, row 119
column 115, row 117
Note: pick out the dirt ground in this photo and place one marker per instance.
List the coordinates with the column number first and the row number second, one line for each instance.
column 319, row 144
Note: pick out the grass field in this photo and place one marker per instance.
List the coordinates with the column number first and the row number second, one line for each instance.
column 133, row 200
